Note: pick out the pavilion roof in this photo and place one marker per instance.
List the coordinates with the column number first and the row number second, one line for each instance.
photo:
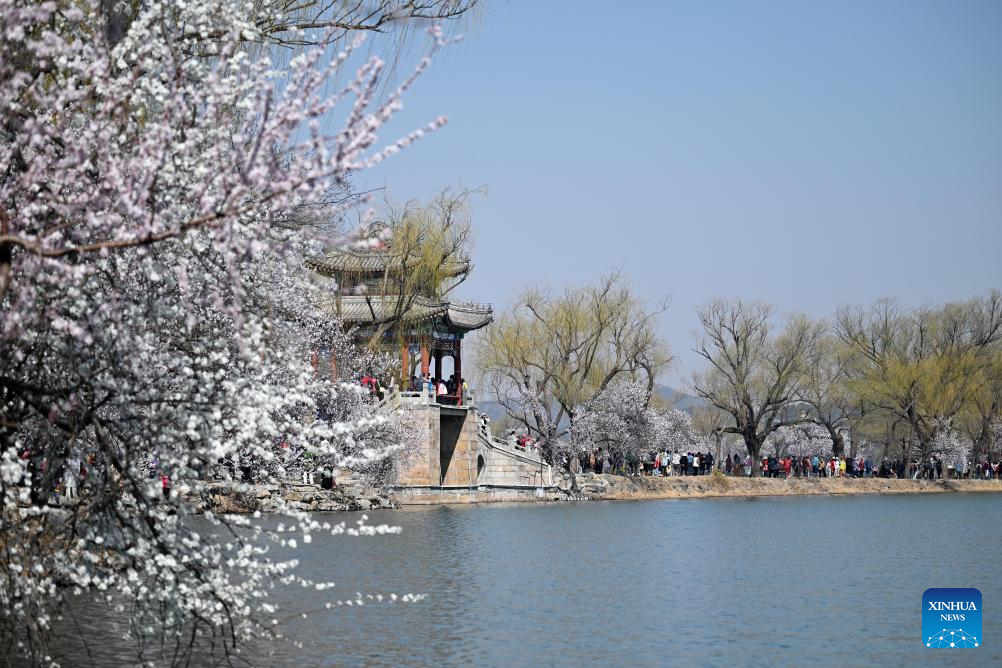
column 373, row 309
column 375, row 261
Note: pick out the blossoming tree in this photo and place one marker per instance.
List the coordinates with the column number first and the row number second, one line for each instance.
column 162, row 173
column 622, row 420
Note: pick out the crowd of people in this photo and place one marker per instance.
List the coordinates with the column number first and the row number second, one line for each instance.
column 658, row 463
column 815, row 466
column 453, row 386
column 70, row 475
column 443, row 389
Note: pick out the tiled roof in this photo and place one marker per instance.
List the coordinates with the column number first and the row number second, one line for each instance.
column 364, row 309
column 372, row 261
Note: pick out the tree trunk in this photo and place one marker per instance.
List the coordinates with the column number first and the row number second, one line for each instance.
column 718, row 437
column 754, row 446
column 838, row 443
column 906, row 445
column 982, row 444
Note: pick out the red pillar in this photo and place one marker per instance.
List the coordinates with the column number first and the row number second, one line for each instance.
column 424, row 358
column 333, row 366
column 315, row 361
column 404, row 366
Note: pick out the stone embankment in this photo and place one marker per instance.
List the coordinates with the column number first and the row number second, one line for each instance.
column 245, row 498
column 248, row 498
column 613, row 487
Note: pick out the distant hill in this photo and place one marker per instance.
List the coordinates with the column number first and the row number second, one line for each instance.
column 493, row 409
column 681, row 400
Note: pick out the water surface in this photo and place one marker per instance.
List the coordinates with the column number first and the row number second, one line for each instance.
column 768, row 581
column 795, row 581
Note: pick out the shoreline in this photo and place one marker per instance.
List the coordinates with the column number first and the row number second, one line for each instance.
column 602, row 487
column 241, row 499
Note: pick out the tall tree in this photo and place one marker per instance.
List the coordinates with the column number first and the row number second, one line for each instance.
column 826, row 390
column 549, row 354
column 756, row 373
column 923, row 366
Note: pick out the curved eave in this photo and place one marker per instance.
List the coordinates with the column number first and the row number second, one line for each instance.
column 470, row 317
column 363, row 310
column 360, row 264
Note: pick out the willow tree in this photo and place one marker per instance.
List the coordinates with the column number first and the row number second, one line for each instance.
column 923, row 366
column 981, row 418
column 551, row 353
column 826, row 390
column 756, row 371
column 417, row 256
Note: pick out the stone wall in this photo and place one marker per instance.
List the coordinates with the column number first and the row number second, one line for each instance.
column 463, row 460
column 507, row 466
column 422, row 468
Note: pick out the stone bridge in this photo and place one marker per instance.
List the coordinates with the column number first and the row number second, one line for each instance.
column 463, row 462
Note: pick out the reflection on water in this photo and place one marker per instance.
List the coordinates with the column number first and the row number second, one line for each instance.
column 785, row 581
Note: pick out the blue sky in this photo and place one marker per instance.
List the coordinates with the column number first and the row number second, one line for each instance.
column 807, row 154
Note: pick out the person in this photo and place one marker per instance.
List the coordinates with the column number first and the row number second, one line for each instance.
column 165, row 484
column 71, row 475
column 308, row 465
column 591, row 462
column 748, row 465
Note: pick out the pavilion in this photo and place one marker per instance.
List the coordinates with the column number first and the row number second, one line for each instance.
column 423, row 327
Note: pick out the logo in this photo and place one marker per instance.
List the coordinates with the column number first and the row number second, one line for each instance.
column 951, row 618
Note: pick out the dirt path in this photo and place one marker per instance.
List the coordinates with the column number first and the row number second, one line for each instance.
column 610, row 487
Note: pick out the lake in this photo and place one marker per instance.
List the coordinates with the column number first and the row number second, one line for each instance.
column 827, row 581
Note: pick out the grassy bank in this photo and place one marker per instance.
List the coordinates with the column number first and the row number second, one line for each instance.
column 611, row 487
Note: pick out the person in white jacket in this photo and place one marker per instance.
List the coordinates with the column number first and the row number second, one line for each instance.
column 71, row 474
